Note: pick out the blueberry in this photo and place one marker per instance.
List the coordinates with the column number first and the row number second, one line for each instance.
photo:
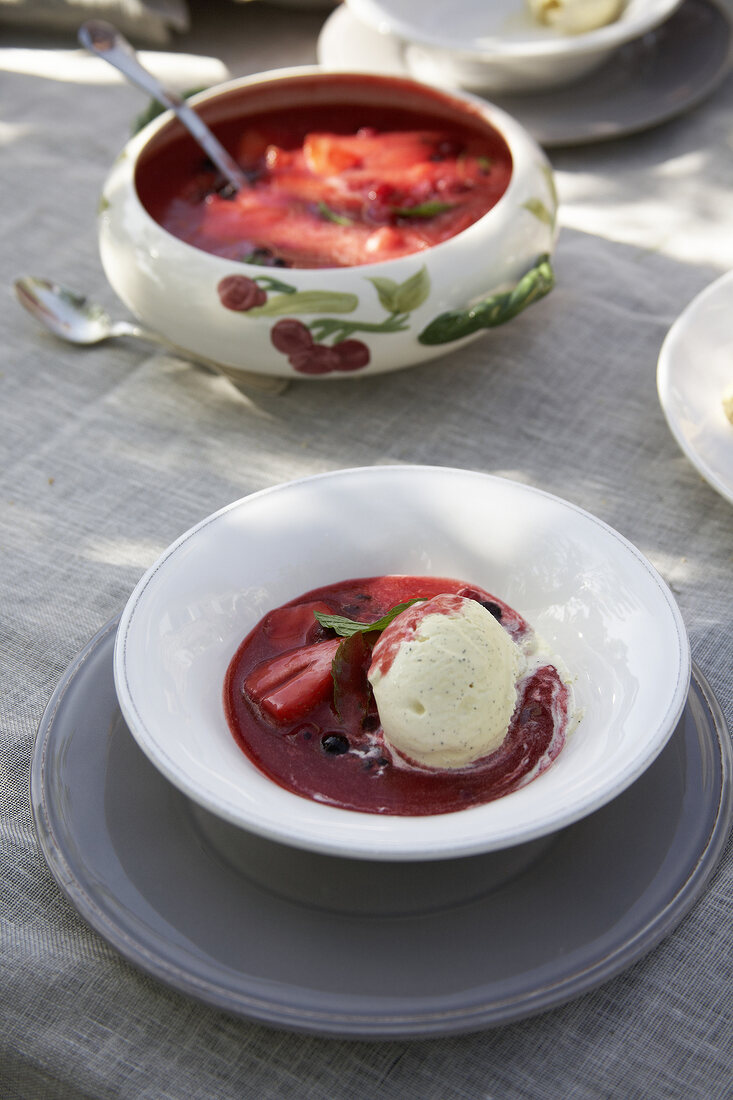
column 335, row 744
column 226, row 190
column 492, row 607
column 264, row 257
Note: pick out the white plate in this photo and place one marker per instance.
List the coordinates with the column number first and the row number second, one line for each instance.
column 695, row 367
column 646, row 82
column 594, row 598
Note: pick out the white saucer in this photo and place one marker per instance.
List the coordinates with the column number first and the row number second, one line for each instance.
column 646, row 82
column 695, row 367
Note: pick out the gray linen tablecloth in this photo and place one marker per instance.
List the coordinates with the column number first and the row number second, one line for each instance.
column 109, row 454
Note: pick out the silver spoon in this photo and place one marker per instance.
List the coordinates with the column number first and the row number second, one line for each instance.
column 105, row 41
column 73, row 318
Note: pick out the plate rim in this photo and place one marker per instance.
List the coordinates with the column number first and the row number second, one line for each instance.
column 377, row 1024
column 665, row 369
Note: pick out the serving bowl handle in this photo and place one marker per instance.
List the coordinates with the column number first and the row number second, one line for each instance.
column 455, row 324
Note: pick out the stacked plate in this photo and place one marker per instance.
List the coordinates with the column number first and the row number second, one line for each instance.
column 656, row 60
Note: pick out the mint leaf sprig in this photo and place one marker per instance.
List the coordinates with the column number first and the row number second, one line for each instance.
column 422, row 210
column 346, row 627
column 332, row 216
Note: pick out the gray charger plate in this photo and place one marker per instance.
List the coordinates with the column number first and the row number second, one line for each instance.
column 125, row 847
column 646, row 82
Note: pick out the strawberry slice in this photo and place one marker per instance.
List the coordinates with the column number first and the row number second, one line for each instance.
column 295, row 626
column 328, row 154
column 288, row 686
column 252, row 145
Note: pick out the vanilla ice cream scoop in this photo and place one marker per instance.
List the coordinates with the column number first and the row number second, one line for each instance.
column 444, row 675
column 575, row 16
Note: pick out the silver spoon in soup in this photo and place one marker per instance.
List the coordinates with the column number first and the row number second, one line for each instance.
column 105, row 41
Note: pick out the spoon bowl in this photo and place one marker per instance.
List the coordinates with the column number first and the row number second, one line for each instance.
column 72, row 317
column 69, row 315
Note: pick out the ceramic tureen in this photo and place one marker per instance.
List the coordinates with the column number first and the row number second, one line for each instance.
column 393, row 313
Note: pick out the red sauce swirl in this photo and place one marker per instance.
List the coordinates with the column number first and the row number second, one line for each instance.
column 329, row 747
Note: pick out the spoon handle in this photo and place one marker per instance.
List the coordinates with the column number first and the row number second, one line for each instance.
column 105, row 41
column 242, row 380
column 127, row 328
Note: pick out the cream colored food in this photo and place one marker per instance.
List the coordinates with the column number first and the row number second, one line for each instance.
column 728, row 403
column 444, row 675
column 575, row 16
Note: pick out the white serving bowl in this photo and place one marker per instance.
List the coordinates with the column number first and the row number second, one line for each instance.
column 498, row 47
column 594, row 598
column 172, row 286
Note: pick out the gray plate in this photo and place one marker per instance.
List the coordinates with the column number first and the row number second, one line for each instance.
column 646, row 82
column 126, row 849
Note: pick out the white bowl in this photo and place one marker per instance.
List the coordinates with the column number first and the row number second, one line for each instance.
column 593, row 596
column 693, row 372
column 398, row 306
column 499, row 47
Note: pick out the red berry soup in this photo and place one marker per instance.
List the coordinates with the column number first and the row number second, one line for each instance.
column 300, row 705
column 330, row 185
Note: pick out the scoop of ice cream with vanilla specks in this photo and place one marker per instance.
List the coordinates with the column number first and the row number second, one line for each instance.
column 575, row 16
column 444, row 675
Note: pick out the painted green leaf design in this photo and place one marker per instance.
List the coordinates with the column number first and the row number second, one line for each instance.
column 387, row 290
column 550, row 181
column 413, row 292
column 268, row 283
column 456, row 324
column 538, row 208
column 403, row 297
column 306, row 301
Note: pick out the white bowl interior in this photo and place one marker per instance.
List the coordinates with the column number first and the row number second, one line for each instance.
column 503, row 28
column 593, row 597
